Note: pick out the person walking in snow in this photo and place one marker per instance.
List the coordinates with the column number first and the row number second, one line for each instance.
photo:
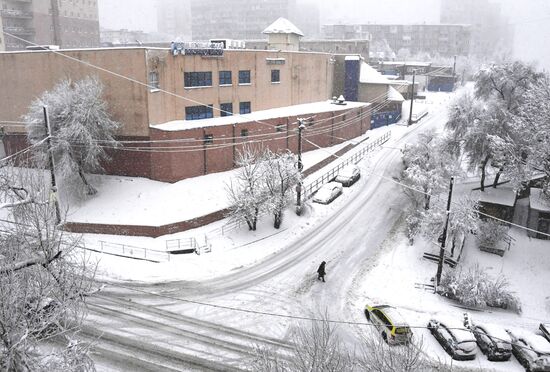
column 321, row 271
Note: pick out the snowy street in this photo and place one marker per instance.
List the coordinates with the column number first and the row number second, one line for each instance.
column 348, row 234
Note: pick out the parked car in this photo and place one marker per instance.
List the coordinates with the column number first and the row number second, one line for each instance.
column 348, row 175
column 390, row 323
column 493, row 341
column 328, row 193
column 456, row 340
column 545, row 329
column 531, row 350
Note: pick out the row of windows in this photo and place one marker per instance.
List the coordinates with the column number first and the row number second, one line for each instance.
column 204, row 79
column 206, row 112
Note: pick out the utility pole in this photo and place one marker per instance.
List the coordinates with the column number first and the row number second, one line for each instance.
column 454, row 67
column 51, row 165
column 301, row 127
column 444, row 236
column 412, row 98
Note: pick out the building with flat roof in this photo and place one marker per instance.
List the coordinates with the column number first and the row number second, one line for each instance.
column 190, row 84
column 444, row 39
column 69, row 24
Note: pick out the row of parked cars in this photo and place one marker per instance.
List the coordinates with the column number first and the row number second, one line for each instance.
column 461, row 339
column 330, row 191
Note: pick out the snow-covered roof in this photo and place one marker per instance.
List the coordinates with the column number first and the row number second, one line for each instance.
column 370, row 76
column 296, row 110
column 352, row 58
column 502, row 196
column 282, row 26
column 538, row 201
column 394, row 95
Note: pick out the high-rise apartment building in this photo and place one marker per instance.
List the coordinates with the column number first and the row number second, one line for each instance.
column 490, row 30
column 246, row 19
column 174, row 18
column 67, row 23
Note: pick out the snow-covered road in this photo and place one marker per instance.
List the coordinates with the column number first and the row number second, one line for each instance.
column 348, row 237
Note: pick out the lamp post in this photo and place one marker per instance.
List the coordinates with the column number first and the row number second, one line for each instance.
column 301, row 127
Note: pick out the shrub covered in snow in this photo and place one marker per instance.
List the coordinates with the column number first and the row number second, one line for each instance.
column 490, row 233
column 474, row 287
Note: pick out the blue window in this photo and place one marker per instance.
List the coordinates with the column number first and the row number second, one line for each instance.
column 226, row 109
column 244, row 77
column 198, row 112
column 244, row 108
column 198, row 79
column 225, row 78
column 275, row 76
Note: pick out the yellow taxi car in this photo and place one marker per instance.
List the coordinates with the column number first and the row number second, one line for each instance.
column 389, row 323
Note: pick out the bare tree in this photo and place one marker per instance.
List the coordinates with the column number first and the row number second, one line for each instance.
column 281, row 176
column 80, row 126
column 317, row 348
column 43, row 281
column 246, row 192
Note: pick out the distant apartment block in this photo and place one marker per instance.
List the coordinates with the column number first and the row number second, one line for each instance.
column 174, row 18
column 490, row 29
column 67, row 23
column 444, row 39
column 246, row 19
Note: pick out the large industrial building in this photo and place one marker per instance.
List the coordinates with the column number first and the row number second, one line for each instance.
column 208, row 100
column 68, row 24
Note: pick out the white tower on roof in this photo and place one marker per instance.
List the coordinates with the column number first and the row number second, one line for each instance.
column 283, row 35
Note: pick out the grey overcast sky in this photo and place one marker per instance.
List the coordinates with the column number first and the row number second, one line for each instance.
column 530, row 17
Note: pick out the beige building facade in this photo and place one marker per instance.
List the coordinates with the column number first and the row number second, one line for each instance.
column 161, row 87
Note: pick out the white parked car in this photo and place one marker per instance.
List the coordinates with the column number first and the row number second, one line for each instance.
column 348, row 175
column 328, row 193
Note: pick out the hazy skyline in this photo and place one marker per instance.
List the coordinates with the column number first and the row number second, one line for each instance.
column 529, row 17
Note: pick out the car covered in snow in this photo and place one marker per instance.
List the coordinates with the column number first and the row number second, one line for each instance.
column 328, row 193
column 545, row 329
column 389, row 323
column 493, row 341
column 348, row 175
column 456, row 340
column 531, row 350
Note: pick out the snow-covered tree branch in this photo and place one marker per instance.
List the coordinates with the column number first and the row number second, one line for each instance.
column 80, row 125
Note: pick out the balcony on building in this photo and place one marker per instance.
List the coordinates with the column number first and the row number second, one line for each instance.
column 15, row 13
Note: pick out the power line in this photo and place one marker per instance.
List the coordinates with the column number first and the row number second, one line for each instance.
column 137, row 81
column 288, row 316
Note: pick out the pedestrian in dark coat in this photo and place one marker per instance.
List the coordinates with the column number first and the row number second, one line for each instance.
column 321, row 271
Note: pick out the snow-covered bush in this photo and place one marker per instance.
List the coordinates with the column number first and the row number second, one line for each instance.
column 474, row 287
column 490, row 233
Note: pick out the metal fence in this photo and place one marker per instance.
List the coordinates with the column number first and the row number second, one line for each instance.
column 128, row 251
column 188, row 244
column 314, row 186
